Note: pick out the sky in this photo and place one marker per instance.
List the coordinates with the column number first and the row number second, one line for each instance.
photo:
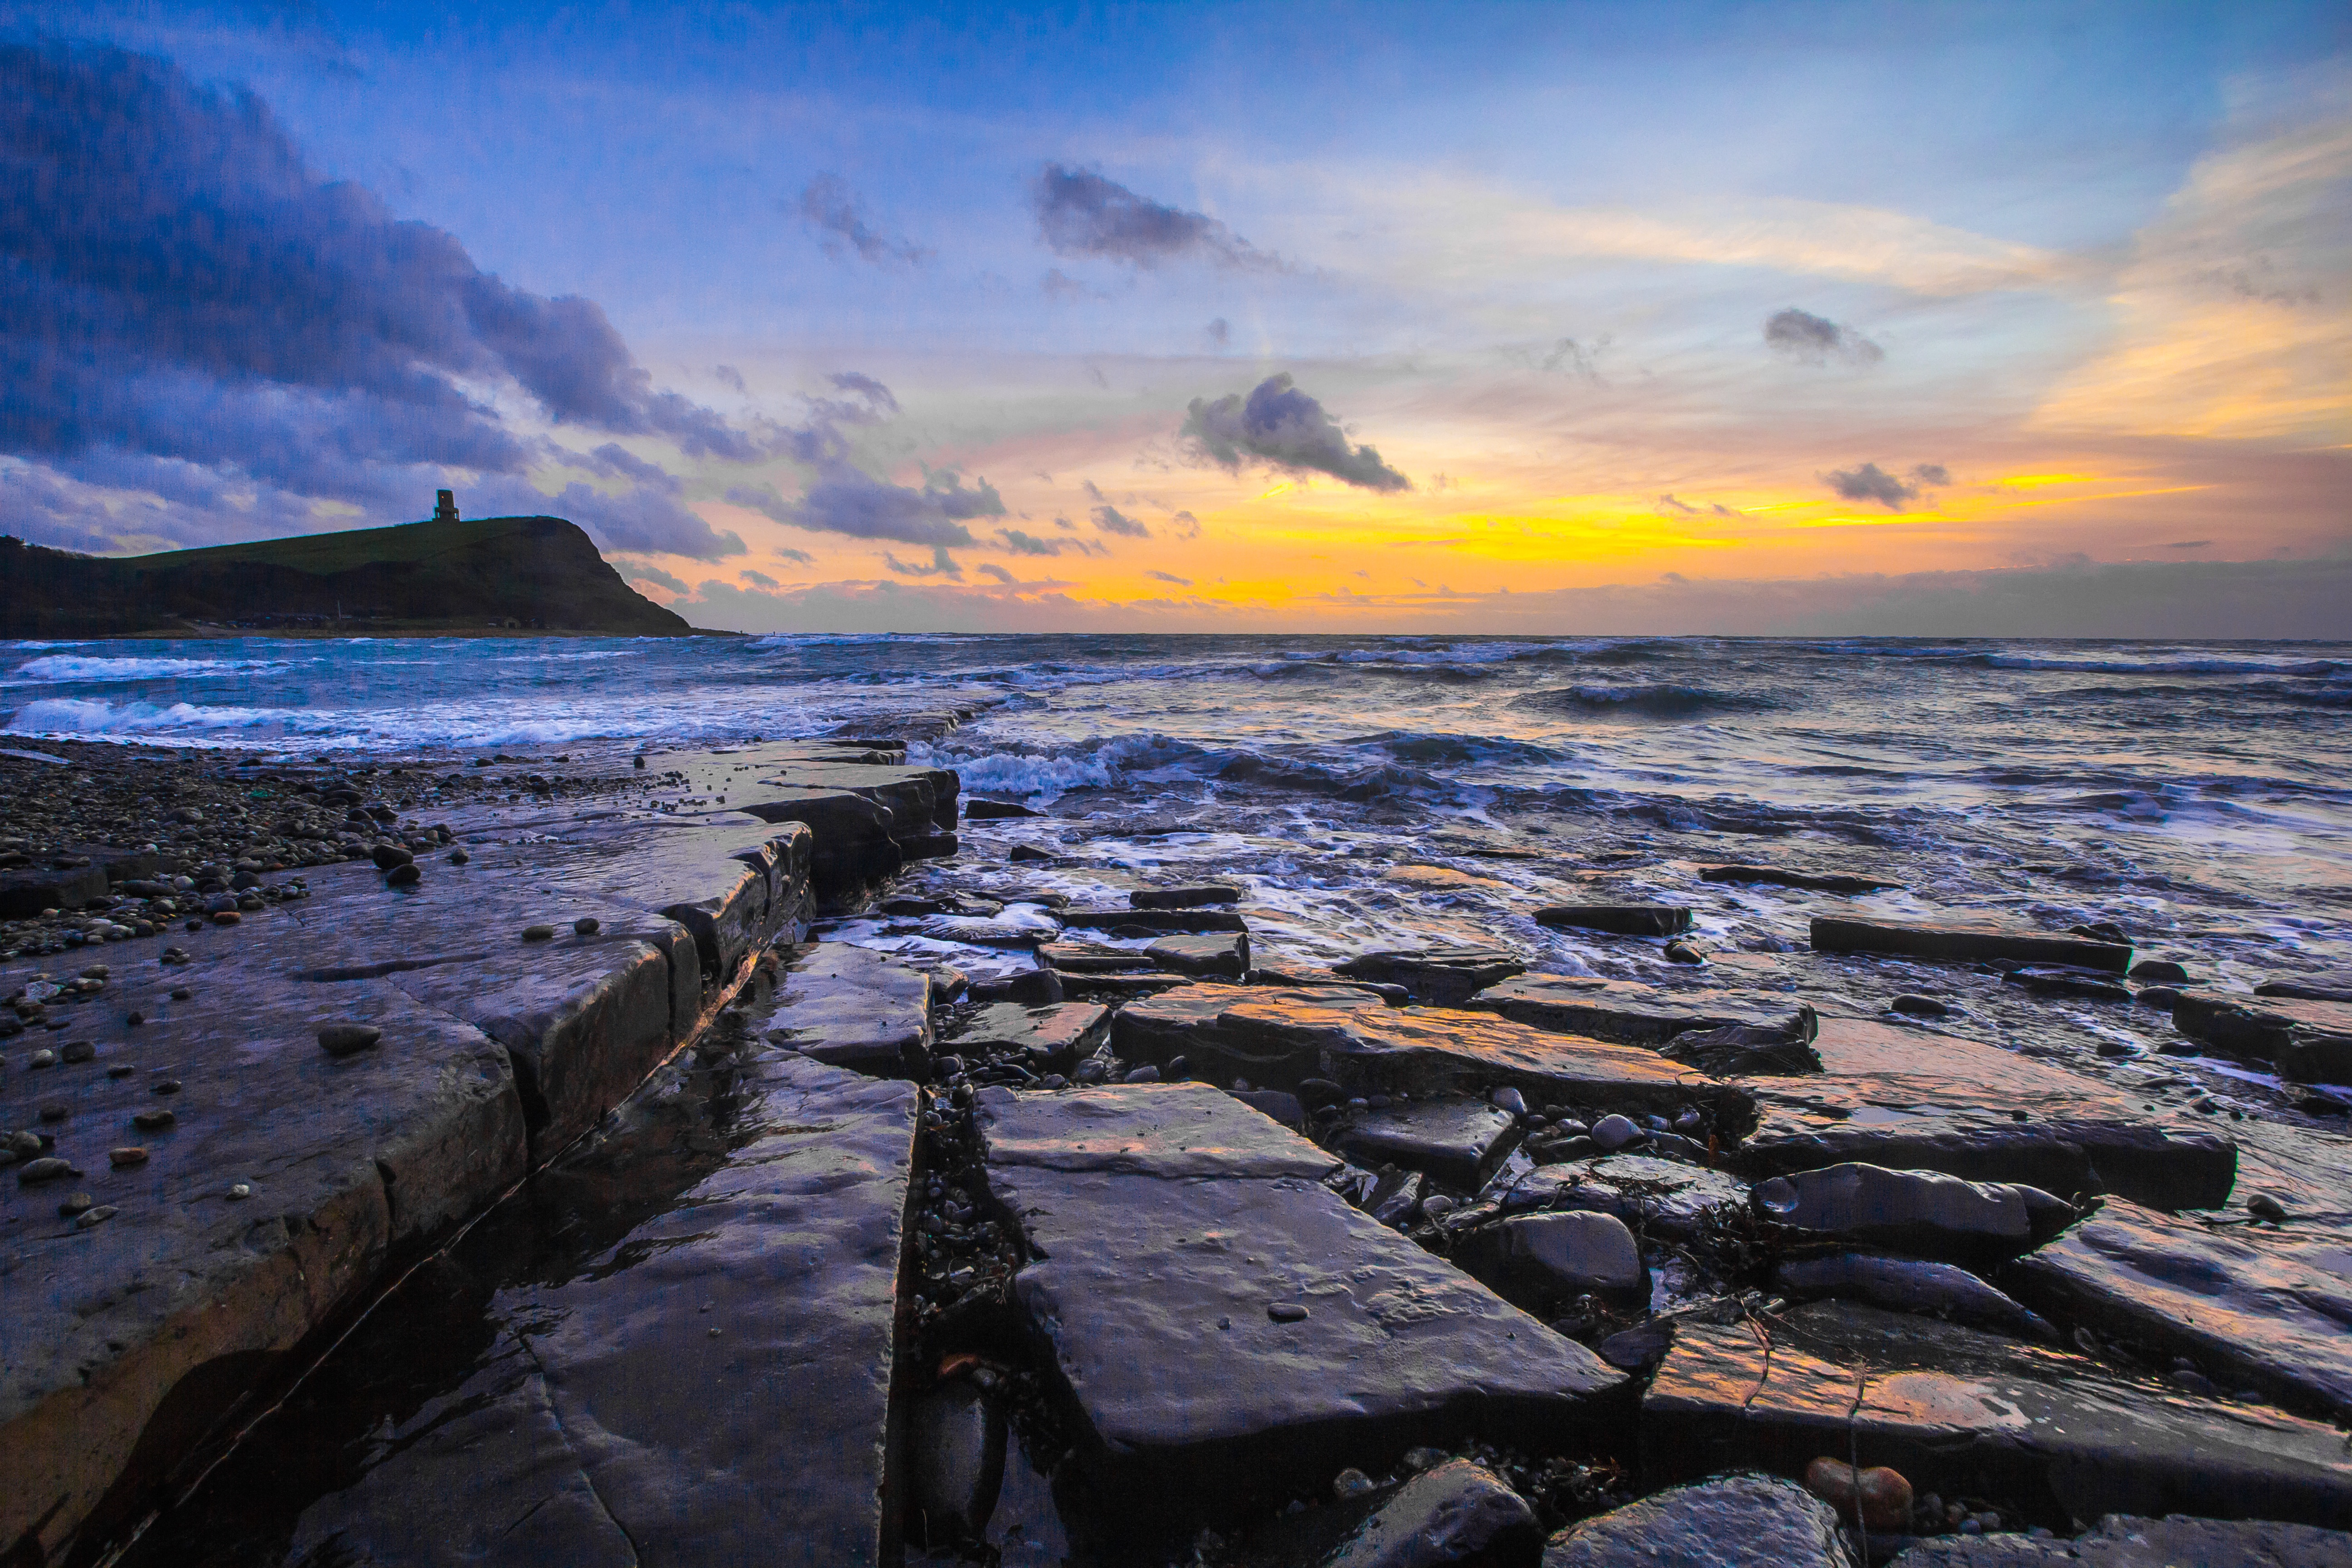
column 1949, row 319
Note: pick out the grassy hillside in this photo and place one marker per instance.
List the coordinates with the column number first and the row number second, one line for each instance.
column 538, row 573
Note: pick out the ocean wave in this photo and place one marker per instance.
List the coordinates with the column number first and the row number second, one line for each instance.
column 1048, row 771
column 1442, row 750
column 1643, row 650
column 1645, row 701
column 72, row 667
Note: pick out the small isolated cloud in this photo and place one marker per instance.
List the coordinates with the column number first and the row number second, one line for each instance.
column 1282, row 426
column 992, row 570
column 1061, row 522
column 757, row 579
column 832, row 209
column 2191, row 544
column 1079, row 212
column 1219, row 332
column 1722, row 511
column 1170, row 577
column 1110, row 519
column 1870, row 482
column 1566, row 356
column 942, row 564
column 800, row 556
column 728, row 375
column 1668, row 504
column 1184, row 525
column 1021, row 543
column 643, row 571
column 1816, row 339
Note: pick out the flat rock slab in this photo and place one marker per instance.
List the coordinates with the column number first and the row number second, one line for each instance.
column 852, row 1007
column 2123, row 1540
column 711, row 1388
column 1456, row 1139
column 1617, row 919
column 1440, row 976
column 2251, row 1304
column 1912, row 1099
column 1968, row 943
column 1635, row 1015
column 1054, row 1034
column 1185, row 898
column 2308, row 1041
column 1783, row 877
column 1223, row 955
column 1926, row 1212
column 1277, row 1037
column 1664, row 1196
column 127, row 1341
column 1737, row 1521
column 1960, row 1412
column 1092, row 958
column 1163, row 922
column 1226, row 1332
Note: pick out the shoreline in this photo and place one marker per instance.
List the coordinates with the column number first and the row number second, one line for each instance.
column 612, row 989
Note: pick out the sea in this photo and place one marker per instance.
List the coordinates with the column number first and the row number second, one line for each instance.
column 1397, row 791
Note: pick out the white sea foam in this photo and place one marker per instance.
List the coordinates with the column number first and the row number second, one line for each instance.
column 68, row 666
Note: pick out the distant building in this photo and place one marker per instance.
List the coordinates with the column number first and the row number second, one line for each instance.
column 444, row 509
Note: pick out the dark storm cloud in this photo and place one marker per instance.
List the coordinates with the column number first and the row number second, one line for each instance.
column 1800, row 334
column 1870, row 482
column 1282, row 426
column 1110, row 519
column 832, row 208
column 178, row 287
column 1079, row 212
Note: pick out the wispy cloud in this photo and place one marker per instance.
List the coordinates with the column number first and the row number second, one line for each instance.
column 834, row 212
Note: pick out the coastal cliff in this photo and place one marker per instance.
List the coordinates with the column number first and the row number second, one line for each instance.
column 444, row 576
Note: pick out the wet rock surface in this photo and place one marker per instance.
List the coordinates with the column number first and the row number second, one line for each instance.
column 1284, row 1335
column 1739, row 1521
column 1637, row 1014
column 1438, row 976
column 1959, row 1411
column 1973, row 943
column 2122, row 1540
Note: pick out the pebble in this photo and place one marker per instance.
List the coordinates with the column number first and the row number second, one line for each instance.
column 53, row 1111
column 1684, row 952
column 1510, row 1101
column 1416, row 1461
column 388, row 856
column 1436, row 1207
column 240, row 1193
column 458, row 858
column 2263, row 1205
column 153, row 1121
column 1612, row 1132
column 586, row 925
column 128, row 1155
column 44, row 1057
column 1350, row 1482
column 75, row 1202
column 1886, row 1494
column 49, row 1168
column 1920, row 1007
column 98, row 1216
column 539, row 933
column 181, row 994
column 403, row 875
column 136, row 1018
column 164, row 1085
column 1143, row 1075
column 1286, row 1312
column 123, row 1071
column 221, row 918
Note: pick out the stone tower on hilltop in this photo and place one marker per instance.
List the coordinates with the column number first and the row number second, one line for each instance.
column 445, row 507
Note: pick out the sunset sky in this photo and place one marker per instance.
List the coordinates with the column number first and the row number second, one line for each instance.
column 1530, row 318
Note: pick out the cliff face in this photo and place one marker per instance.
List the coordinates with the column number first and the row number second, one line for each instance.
column 536, row 573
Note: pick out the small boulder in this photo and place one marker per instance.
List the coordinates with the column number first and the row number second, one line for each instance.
column 389, row 856
column 1731, row 1522
column 1456, row 1512
column 348, row 1039
column 1881, row 1495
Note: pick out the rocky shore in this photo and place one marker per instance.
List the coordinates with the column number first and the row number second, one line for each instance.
column 767, row 1152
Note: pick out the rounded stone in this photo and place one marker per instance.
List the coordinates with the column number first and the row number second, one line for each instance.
column 1143, row 1075
column 1919, row 1006
column 389, row 856
column 1884, row 1494
column 1614, row 1132
column 98, row 1216
column 164, row 1085
column 49, row 1168
column 75, row 1202
column 346, row 1039
column 226, row 917
column 539, row 933
column 44, row 1057
column 1286, row 1312
column 1510, row 1102
column 154, row 1120
column 2263, row 1205
column 127, row 1156
column 405, row 875
column 586, row 925
column 240, row 1192
column 458, row 858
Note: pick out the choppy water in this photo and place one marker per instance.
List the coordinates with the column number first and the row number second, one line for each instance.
column 2194, row 792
